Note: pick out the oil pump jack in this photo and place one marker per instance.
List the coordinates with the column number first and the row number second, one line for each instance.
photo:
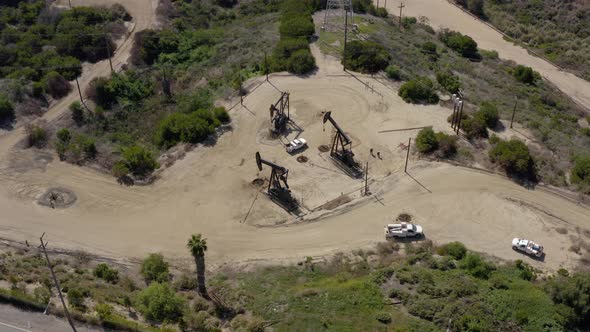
column 278, row 188
column 341, row 148
column 278, row 117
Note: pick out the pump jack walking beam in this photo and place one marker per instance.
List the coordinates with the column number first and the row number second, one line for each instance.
column 341, row 140
column 278, row 173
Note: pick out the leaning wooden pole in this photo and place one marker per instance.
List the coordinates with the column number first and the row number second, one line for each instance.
column 57, row 285
column 408, row 155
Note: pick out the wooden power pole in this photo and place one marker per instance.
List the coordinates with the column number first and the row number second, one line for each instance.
column 345, row 38
column 408, row 155
column 513, row 113
column 401, row 6
column 367, row 179
column 57, row 285
column 107, row 42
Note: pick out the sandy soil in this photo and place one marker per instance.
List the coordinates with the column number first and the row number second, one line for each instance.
column 441, row 13
column 210, row 191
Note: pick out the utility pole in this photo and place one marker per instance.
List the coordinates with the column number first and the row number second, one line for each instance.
column 63, row 303
column 401, row 6
column 345, row 38
column 460, row 117
column 367, row 179
column 106, row 39
column 266, row 66
column 79, row 91
column 385, row 6
column 166, row 82
column 70, row 2
column 513, row 113
column 377, row 3
column 408, row 155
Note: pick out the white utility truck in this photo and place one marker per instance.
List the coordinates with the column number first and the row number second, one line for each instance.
column 527, row 246
column 296, row 144
column 403, row 229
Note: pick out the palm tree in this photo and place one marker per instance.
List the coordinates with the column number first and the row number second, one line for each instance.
column 197, row 247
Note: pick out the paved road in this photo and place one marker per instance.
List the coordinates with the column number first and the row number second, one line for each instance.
column 14, row 320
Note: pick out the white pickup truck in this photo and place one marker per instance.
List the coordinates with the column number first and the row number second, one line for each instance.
column 527, row 246
column 295, row 144
column 402, row 230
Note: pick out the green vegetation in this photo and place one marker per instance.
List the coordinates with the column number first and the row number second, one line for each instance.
column 36, row 136
column 103, row 271
column 514, row 156
column 139, row 161
column 154, row 268
column 581, row 173
column 393, row 72
column 524, row 74
column 296, row 27
column 428, row 141
column 197, row 247
column 559, row 30
column 488, row 112
column 365, row 57
column 190, row 128
column 457, row 250
column 448, row 81
column 6, row 108
column 45, row 45
column 550, row 116
column 418, row 90
column 123, row 89
column 460, row 43
column 474, row 6
column 159, row 303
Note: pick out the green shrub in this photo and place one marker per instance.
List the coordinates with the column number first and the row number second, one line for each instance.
column 383, row 317
column 296, row 26
column 426, row 141
column 489, row 114
column 103, row 311
column 221, row 114
column 514, row 156
column 524, row 74
column 447, row 145
column 64, row 135
column 393, row 72
column 581, row 172
column 77, row 113
column 382, row 12
column 37, row 136
column 179, row 127
column 56, row 85
column 457, row 250
column 474, row 127
column 139, row 160
column 6, row 108
column 120, row 169
column 476, row 266
column 76, row 298
column 460, row 43
column 429, row 47
column 103, row 271
column 574, row 293
column 448, row 81
column 301, row 62
column 42, row 294
column 419, row 89
column 474, row 6
column 365, row 57
column 159, row 303
column 408, row 21
column 119, row 88
column 494, row 139
column 87, row 146
column 154, row 268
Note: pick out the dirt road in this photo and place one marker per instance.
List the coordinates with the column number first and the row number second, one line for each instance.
column 14, row 320
column 210, row 191
column 441, row 13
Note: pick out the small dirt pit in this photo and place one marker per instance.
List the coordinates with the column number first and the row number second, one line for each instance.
column 257, row 182
column 57, row 198
column 404, row 217
column 302, row 159
column 324, row 148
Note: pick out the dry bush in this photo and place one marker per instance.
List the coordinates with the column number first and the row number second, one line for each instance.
column 561, row 230
column 585, row 259
column 576, row 248
column 387, row 248
column 405, row 217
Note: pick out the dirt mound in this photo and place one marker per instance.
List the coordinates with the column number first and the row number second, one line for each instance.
column 324, row 148
column 57, row 198
column 258, row 182
column 302, row 159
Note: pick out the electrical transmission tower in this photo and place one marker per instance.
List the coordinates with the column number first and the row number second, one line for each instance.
column 335, row 15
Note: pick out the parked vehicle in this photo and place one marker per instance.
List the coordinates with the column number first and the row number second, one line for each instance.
column 528, row 247
column 296, row 144
column 403, row 229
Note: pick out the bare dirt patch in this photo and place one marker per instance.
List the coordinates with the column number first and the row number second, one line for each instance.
column 57, row 198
